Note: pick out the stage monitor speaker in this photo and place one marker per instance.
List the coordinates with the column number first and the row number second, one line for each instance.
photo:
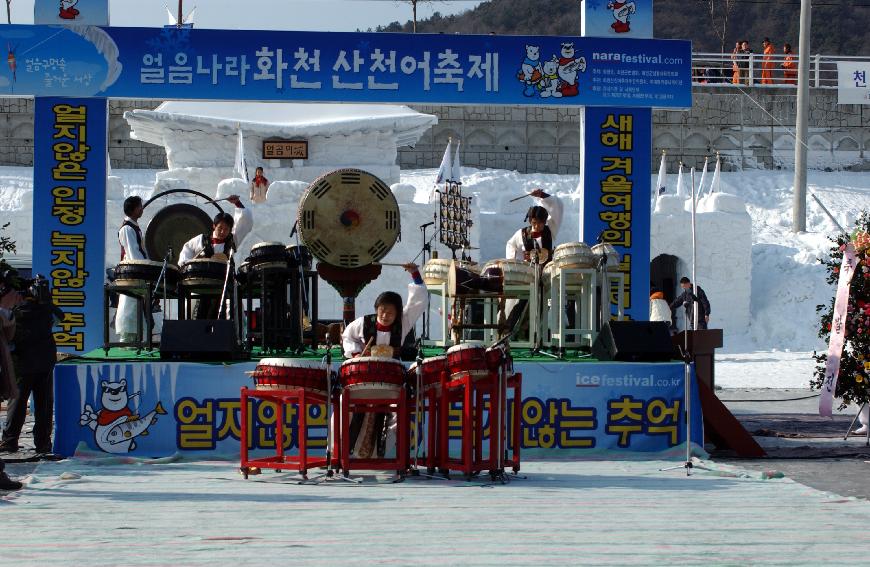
column 201, row 340
column 635, row 341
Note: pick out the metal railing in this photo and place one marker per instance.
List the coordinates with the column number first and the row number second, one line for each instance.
column 759, row 70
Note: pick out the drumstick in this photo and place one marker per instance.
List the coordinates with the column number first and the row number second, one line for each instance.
column 368, row 345
column 388, row 264
column 520, row 197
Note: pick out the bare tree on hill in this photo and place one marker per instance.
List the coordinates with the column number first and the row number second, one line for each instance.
column 9, row 11
column 719, row 11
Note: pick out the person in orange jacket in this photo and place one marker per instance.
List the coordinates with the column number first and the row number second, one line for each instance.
column 767, row 63
column 789, row 71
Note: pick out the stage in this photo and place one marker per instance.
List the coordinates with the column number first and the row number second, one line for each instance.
column 573, row 408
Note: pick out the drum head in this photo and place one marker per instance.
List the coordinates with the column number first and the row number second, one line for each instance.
column 172, row 227
column 349, row 218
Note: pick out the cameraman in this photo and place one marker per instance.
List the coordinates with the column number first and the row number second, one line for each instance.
column 8, row 387
column 34, row 356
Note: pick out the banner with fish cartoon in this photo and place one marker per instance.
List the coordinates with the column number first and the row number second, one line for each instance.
column 158, row 409
column 204, row 64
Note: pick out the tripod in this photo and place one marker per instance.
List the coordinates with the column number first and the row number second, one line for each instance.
column 851, row 425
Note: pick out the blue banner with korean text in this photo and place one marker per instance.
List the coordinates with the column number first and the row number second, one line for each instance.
column 345, row 67
column 569, row 410
column 69, row 213
column 616, row 206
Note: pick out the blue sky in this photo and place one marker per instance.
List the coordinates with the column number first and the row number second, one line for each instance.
column 317, row 15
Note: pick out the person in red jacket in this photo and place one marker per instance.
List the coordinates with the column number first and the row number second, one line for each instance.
column 259, row 187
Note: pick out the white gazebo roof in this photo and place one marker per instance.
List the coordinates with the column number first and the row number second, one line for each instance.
column 288, row 119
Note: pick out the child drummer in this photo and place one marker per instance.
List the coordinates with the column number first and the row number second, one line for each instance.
column 390, row 323
column 387, row 327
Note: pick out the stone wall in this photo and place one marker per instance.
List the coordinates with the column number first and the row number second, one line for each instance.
column 750, row 129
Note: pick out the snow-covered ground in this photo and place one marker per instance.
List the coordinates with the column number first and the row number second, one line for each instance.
column 787, row 279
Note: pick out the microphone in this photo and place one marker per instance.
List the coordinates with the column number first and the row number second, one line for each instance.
column 427, row 224
column 295, row 225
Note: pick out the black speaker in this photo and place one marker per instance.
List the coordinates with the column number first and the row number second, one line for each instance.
column 636, row 341
column 201, row 340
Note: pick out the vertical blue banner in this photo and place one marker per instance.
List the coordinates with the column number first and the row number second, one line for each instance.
column 66, row 12
column 616, row 206
column 616, row 158
column 69, row 213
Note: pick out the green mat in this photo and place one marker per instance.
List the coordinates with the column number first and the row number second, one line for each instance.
column 116, row 355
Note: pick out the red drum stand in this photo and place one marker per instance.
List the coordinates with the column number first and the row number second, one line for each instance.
column 470, row 390
column 279, row 461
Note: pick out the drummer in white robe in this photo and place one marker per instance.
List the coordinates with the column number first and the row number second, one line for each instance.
column 228, row 231
column 535, row 242
column 132, row 248
column 388, row 326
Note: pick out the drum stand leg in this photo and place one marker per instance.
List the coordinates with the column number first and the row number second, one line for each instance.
column 414, row 469
column 329, row 474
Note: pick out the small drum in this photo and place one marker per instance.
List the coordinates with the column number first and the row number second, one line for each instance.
column 267, row 255
column 463, row 281
column 433, row 368
column 204, row 272
column 436, row 270
column 137, row 274
column 299, row 256
column 372, row 377
column 498, row 355
column 381, row 351
column 513, row 272
column 574, row 255
column 470, row 357
column 607, row 249
column 290, row 373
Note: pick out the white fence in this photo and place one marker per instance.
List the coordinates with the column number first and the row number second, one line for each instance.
column 759, row 70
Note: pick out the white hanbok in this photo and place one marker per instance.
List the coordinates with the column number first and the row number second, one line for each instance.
column 128, row 307
column 353, row 341
column 515, row 249
column 243, row 222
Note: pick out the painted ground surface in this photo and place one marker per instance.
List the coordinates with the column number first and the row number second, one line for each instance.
column 110, row 512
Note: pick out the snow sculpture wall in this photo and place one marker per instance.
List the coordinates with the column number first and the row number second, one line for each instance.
column 724, row 253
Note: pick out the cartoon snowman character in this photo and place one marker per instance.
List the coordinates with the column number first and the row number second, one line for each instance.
column 68, row 10
column 621, row 13
column 530, row 70
column 550, row 81
column 115, row 426
column 569, row 67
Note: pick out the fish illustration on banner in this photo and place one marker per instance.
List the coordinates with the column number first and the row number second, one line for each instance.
column 115, row 426
column 622, row 12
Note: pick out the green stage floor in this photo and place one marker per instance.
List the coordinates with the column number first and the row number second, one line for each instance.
column 127, row 355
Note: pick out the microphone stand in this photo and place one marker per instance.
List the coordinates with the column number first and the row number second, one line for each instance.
column 535, row 334
column 329, row 474
column 426, row 253
column 418, row 415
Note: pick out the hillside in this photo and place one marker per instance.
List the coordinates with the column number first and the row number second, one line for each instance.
column 838, row 27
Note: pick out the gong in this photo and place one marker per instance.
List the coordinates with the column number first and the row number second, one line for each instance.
column 349, row 218
column 172, row 227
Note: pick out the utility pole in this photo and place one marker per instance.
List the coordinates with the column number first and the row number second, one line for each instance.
column 414, row 9
column 180, row 21
column 799, row 202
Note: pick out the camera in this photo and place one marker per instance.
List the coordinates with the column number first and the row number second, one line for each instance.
column 36, row 288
